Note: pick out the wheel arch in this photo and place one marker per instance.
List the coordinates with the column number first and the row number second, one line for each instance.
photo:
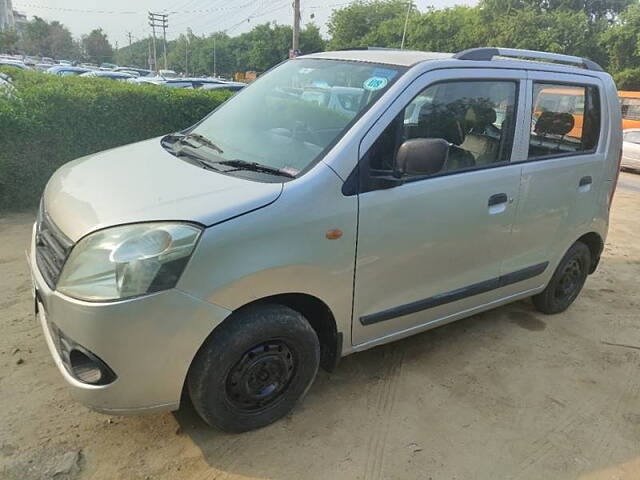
column 595, row 243
column 317, row 313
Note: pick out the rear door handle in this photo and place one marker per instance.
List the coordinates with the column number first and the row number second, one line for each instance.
column 584, row 181
column 497, row 199
column 585, row 184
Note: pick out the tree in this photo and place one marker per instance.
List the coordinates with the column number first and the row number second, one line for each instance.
column 60, row 41
column 447, row 30
column 349, row 26
column 35, row 39
column 96, row 46
column 8, row 40
column 622, row 41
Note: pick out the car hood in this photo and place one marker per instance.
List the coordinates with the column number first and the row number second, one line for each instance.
column 143, row 182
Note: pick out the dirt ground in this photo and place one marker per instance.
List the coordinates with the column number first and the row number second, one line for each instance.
column 509, row 394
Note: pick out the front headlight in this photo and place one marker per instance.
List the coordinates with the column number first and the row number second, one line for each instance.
column 128, row 261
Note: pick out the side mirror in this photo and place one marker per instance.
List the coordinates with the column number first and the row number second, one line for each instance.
column 422, row 156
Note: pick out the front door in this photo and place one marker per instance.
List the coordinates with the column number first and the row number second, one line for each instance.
column 432, row 247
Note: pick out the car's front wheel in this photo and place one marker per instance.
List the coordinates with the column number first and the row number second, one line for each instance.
column 254, row 368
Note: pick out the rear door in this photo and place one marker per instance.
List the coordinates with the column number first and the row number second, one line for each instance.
column 563, row 170
column 431, row 247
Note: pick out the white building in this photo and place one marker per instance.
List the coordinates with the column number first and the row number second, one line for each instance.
column 7, row 20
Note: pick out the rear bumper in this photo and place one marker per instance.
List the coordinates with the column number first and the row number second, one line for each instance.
column 148, row 342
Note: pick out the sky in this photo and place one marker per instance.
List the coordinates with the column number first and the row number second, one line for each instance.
column 118, row 17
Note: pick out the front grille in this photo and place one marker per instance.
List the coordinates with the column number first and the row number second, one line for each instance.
column 52, row 248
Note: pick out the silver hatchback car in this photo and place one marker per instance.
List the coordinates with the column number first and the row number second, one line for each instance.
column 342, row 201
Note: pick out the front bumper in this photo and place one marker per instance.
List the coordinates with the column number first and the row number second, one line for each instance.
column 149, row 342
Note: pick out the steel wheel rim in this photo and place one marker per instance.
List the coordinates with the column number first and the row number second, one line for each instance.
column 261, row 376
column 570, row 280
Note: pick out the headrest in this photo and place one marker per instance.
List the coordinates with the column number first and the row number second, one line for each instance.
column 479, row 116
column 438, row 121
column 554, row 123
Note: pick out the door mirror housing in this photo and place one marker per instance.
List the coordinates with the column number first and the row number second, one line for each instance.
column 421, row 156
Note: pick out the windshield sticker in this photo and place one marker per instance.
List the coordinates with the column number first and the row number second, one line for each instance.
column 384, row 72
column 375, row 83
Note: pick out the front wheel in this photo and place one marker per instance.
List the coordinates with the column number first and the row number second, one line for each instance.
column 567, row 281
column 254, row 368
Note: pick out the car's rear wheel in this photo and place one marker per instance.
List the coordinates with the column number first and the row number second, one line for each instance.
column 567, row 281
column 254, row 368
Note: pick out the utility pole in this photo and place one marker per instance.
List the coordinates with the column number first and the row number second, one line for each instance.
column 152, row 23
column 150, row 57
column 214, row 56
column 186, row 54
column 159, row 20
column 130, row 35
column 295, row 44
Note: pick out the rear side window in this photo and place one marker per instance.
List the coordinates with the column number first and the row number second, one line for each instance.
column 565, row 120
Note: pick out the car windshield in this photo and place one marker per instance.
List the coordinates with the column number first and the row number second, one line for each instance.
column 290, row 116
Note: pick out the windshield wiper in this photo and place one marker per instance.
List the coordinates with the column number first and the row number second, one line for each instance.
column 199, row 140
column 256, row 167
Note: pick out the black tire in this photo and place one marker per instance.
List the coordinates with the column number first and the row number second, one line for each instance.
column 567, row 281
column 254, row 368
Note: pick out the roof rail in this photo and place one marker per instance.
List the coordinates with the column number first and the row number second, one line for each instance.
column 488, row 53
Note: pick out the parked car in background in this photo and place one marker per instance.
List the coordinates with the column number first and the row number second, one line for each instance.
column 142, row 72
column 193, row 83
column 117, row 76
column 168, row 74
column 133, row 73
column 230, row 86
column 42, row 67
column 65, row 62
column 108, row 66
column 63, row 70
column 89, row 66
column 631, row 150
column 6, row 62
column 48, row 60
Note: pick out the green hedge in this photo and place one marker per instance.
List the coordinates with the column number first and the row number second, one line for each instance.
column 56, row 119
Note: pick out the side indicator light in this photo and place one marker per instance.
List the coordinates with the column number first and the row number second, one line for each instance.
column 333, row 234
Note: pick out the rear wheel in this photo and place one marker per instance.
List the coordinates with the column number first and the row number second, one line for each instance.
column 567, row 281
column 254, row 368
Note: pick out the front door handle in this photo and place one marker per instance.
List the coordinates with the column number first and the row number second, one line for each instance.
column 497, row 199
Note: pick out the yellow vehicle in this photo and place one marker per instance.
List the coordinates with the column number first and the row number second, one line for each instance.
column 630, row 104
column 562, row 100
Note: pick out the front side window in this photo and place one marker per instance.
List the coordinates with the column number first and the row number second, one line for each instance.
column 476, row 118
column 293, row 114
column 565, row 120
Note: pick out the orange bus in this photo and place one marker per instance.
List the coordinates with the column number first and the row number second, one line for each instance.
column 568, row 100
column 630, row 104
